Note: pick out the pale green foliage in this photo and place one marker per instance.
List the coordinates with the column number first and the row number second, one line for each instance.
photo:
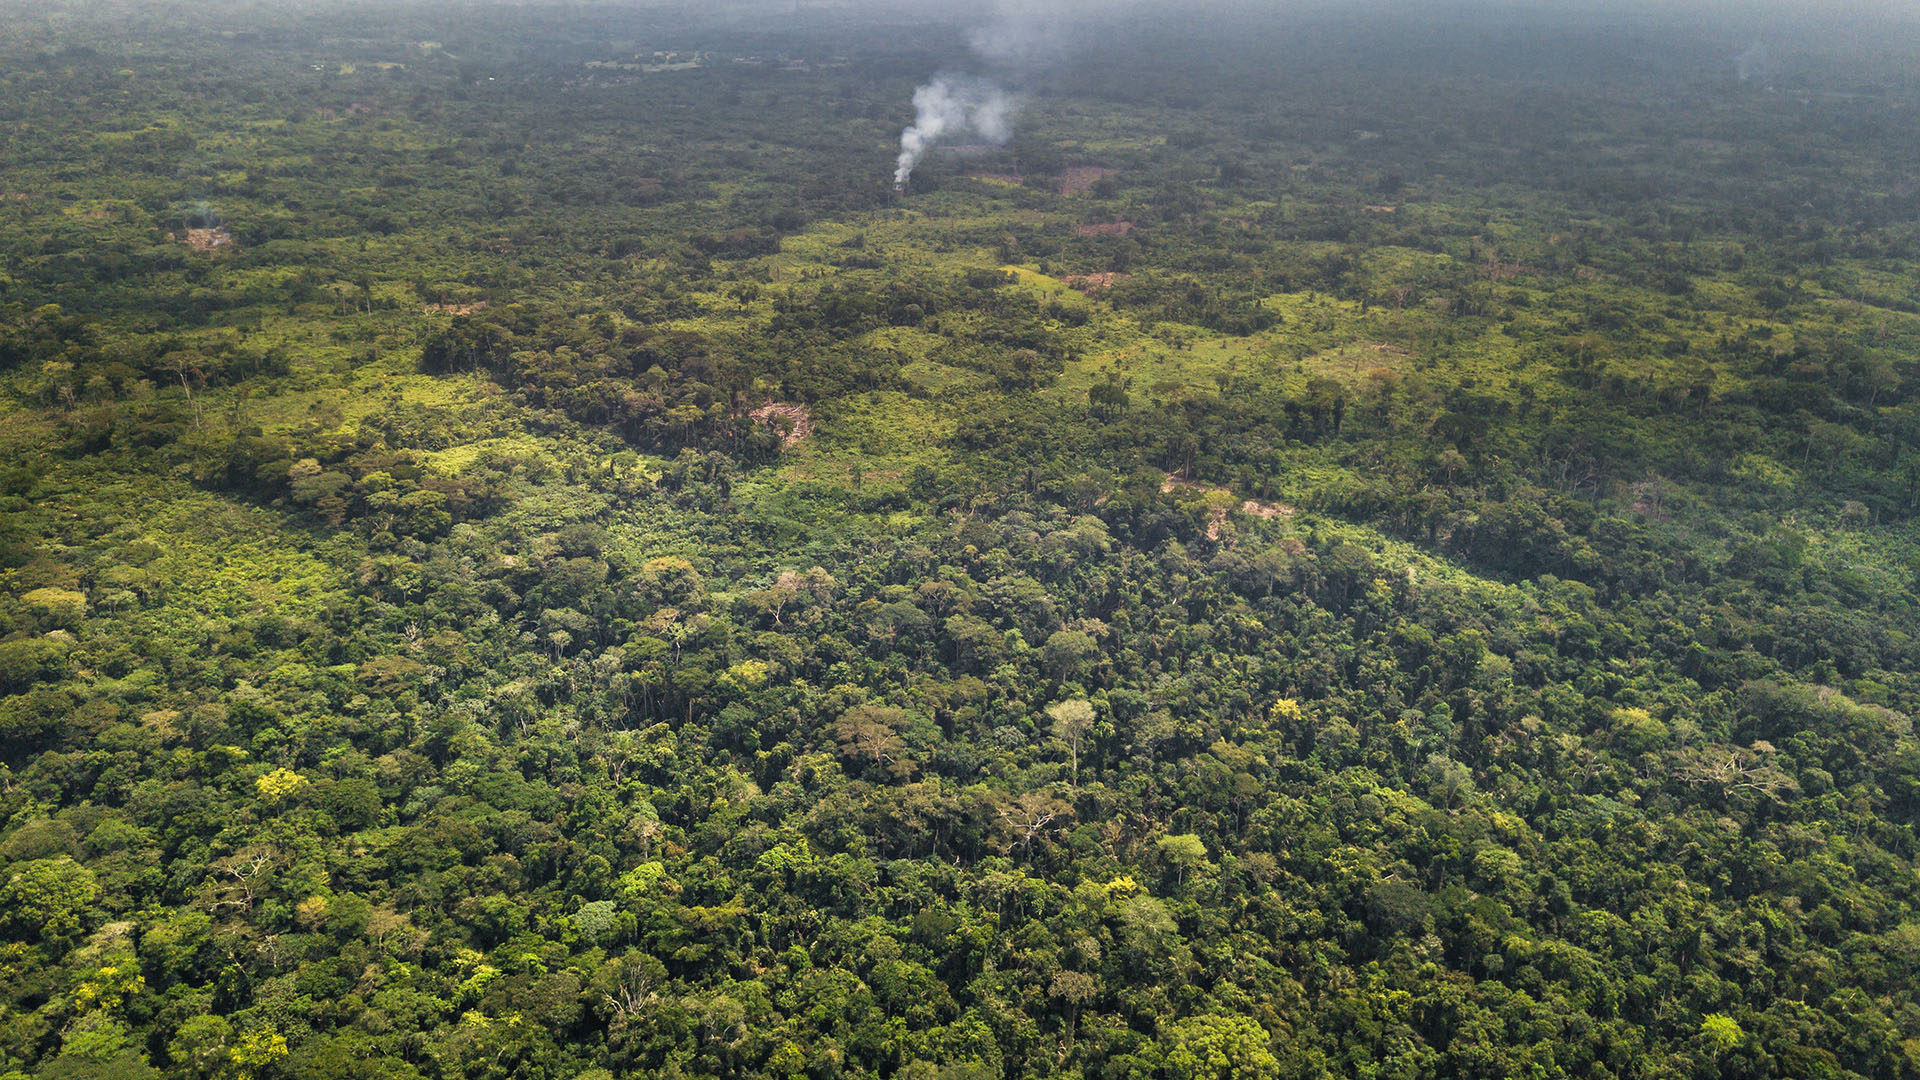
column 1185, row 852
column 61, row 608
column 1071, row 720
column 1218, row 1047
column 279, row 785
column 1636, row 730
column 48, row 898
column 596, row 920
column 1722, row 1031
column 1072, row 715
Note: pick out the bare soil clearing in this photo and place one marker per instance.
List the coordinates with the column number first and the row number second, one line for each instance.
column 1256, row 508
column 774, row 411
column 208, row 239
column 1080, row 179
column 1495, row 270
column 1218, row 516
column 1094, row 283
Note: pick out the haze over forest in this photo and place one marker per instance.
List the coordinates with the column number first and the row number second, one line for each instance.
column 857, row 541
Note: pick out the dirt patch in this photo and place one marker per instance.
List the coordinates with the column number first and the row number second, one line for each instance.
column 1382, row 209
column 773, row 413
column 1361, row 359
column 207, row 239
column 1217, row 523
column 1495, row 270
column 1080, row 179
column 1647, row 497
column 1094, row 283
column 1115, row 228
column 1256, row 508
column 454, row 309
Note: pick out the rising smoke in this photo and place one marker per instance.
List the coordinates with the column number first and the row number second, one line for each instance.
column 1029, row 36
column 953, row 106
column 1021, row 38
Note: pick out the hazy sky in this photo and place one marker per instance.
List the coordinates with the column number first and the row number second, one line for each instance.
column 1186, row 10
column 1026, row 32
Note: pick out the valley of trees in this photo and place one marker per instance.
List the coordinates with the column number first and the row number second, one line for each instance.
column 1341, row 551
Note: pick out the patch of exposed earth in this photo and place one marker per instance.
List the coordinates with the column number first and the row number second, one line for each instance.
column 779, row 414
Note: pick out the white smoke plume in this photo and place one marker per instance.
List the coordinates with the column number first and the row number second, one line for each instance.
column 953, row 106
column 1751, row 63
column 1020, row 39
column 1027, row 36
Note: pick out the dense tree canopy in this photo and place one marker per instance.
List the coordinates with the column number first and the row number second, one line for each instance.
column 520, row 555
